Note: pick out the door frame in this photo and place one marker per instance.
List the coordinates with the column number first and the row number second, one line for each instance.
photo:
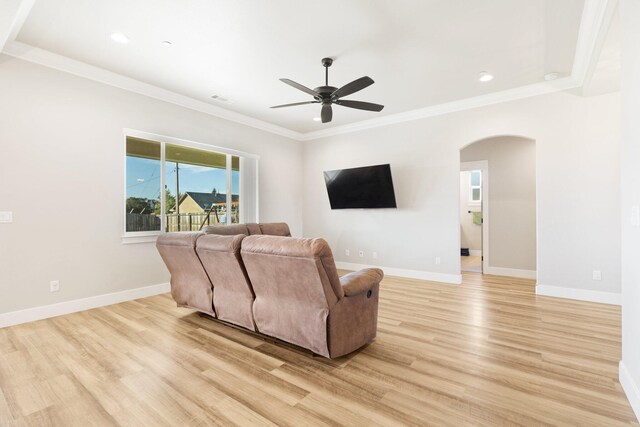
column 483, row 166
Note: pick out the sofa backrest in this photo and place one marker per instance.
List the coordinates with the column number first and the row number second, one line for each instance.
column 233, row 296
column 275, row 229
column 296, row 284
column 190, row 285
column 250, row 229
column 229, row 230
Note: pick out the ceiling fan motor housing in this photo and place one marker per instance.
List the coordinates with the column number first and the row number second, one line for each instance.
column 325, row 93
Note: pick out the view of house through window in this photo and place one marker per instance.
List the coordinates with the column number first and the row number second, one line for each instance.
column 196, row 185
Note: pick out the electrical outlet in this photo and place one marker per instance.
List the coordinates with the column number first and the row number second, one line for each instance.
column 438, row 260
column 597, row 275
column 361, row 254
column 374, row 255
column 346, row 252
column 54, row 286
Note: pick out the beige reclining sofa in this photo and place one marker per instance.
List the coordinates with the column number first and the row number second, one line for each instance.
column 259, row 278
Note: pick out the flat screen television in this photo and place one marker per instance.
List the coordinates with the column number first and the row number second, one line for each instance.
column 365, row 187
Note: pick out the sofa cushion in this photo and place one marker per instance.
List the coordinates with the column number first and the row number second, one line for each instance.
column 233, row 296
column 296, row 247
column 294, row 290
column 190, row 285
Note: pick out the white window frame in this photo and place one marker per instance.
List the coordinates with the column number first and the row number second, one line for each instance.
column 129, row 237
column 475, row 187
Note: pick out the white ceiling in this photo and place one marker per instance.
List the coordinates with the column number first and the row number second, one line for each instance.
column 421, row 53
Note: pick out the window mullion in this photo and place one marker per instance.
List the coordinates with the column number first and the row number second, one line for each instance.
column 229, row 186
column 241, row 191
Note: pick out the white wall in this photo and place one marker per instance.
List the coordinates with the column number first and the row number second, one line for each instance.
column 630, row 91
column 577, row 142
column 512, row 199
column 470, row 233
column 61, row 173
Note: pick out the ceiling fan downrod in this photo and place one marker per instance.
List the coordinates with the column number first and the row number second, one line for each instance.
column 326, row 63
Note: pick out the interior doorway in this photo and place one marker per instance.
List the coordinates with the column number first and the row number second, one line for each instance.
column 473, row 200
column 501, row 179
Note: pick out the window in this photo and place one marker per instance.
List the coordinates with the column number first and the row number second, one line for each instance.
column 143, row 201
column 173, row 185
column 475, row 187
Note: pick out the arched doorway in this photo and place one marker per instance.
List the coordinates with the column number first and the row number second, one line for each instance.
column 498, row 206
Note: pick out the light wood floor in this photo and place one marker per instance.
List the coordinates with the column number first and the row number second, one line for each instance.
column 471, row 263
column 488, row 352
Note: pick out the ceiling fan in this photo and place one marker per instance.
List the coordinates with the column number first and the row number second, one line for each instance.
column 328, row 95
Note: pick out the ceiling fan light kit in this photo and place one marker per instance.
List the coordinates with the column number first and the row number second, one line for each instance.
column 329, row 95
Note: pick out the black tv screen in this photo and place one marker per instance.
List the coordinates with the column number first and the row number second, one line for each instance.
column 365, row 187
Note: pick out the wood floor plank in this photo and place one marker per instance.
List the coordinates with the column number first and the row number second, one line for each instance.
column 239, row 415
column 486, row 353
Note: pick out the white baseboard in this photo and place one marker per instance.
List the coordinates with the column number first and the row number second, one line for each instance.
column 511, row 272
column 630, row 388
column 66, row 307
column 475, row 252
column 579, row 294
column 455, row 279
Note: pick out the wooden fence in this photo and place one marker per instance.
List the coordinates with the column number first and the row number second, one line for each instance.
column 142, row 222
column 186, row 222
column 189, row 221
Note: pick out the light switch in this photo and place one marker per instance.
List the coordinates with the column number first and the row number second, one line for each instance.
column 635, row 216
column 6, row 217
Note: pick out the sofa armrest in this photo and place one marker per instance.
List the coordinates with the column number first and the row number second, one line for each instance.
column 361, row 281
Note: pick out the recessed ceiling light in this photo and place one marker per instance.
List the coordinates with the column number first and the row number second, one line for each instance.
column 551, row 76
column 166, row 43
column 484, row 76
column 119, row 38
column 316, row 119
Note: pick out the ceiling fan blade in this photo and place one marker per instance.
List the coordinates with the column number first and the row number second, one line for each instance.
column 299, row 87
column 327, row 113
column 352, row 87
column 295, row 103
column 369, row 106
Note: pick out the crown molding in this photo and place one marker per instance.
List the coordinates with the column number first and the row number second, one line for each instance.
column 594, row 25
column 23, row 13
column 13, row 13
column 608, row 13
column 595, row 20
column 62, row 63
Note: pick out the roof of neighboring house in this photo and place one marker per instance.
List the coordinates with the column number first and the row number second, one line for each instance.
column 205, row 200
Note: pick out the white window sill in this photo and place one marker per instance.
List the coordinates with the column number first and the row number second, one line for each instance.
column 134, row 238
